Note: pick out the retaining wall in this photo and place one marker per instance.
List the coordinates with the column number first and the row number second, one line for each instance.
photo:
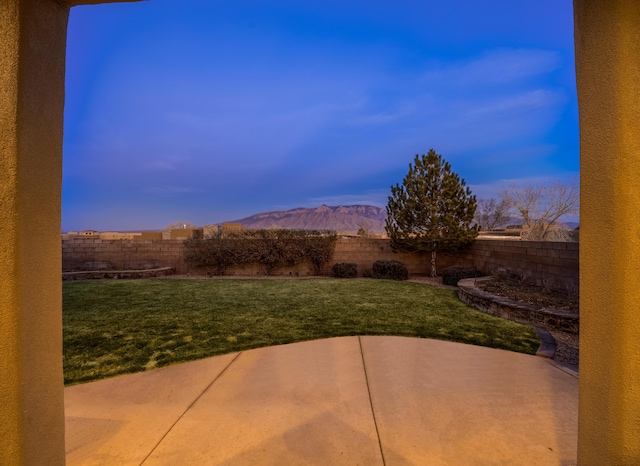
column 557, row 262
column 564, row 326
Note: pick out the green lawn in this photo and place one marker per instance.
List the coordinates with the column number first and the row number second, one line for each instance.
column 121, row 326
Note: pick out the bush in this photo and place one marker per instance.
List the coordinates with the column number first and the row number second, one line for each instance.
column 345, row 270
column 216, row 252
column 275, row 248
column 392, row 270
column 319, row 246
column 269, row 248
column 452, row 275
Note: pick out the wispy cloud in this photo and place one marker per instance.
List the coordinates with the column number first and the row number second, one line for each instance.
column 497, row 66
column 518, row 103
column 494, row 188
column 168, row 163
column 171, row 190
column 313, row 105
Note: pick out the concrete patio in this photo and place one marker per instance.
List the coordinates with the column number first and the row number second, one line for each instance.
column 354, row 400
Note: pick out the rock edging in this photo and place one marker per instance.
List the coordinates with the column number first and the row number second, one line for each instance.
column 562, row 325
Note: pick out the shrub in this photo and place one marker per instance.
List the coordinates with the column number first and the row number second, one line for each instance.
column 275, row 248
column 452, row 275
column 392, row 270
column 216, row 252
column 269, row 248
column 345, row 270
column 319, row 246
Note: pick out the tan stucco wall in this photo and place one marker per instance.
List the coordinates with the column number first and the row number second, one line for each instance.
column 149, row 235
column 180, row 233
column 32, row 61
column 608, row 64
column 32, row 51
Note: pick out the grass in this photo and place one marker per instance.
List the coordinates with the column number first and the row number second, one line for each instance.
column 115, row 327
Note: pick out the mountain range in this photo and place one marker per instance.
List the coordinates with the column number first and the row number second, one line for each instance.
column 343, row 219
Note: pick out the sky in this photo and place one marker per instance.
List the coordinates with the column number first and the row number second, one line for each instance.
column 208, row 111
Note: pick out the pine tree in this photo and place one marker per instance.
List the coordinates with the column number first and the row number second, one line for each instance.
column 432, row 210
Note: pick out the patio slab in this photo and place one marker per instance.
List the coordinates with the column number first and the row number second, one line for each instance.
column 119, row 421
column 351, row 400
column 442, row 403
column 294, row 404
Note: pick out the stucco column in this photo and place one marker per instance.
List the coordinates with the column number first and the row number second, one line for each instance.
column 32, row 63
column 607, row 39
column 32, row 59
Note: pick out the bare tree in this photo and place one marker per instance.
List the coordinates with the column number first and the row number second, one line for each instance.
column 491, row 213
column 542, row 208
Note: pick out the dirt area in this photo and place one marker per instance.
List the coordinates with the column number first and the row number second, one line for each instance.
column 530, row 294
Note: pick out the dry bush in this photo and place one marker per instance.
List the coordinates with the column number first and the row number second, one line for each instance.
column 270, row 248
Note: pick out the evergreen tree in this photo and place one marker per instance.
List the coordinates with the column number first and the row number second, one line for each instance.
column 432, row 210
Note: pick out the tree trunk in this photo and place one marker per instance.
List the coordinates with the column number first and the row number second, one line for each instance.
column 434, row 272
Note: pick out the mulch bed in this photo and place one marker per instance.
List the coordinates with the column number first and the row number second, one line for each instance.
column 530, row 294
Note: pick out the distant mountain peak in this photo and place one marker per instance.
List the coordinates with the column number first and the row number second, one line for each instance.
column 343, row 219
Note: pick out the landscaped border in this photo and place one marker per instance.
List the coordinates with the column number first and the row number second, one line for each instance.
column 562, row 325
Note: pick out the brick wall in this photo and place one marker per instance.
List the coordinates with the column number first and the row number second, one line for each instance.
column 539, row 260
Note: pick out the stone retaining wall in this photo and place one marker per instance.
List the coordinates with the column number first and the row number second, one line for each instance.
column 564, row 326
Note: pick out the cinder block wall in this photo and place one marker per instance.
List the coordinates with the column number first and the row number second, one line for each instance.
column 536, row 260
column 539, row 261
column 365, row 251
column 99, row 254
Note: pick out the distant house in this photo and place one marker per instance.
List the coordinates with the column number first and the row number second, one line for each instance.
column 149, row 235
column 182, row 233
column 90, row 233
column 115, row 235
column 81, row 234
column 209, row 230
column 231, row 227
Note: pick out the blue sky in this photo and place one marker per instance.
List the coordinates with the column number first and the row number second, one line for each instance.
column 209, row 111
